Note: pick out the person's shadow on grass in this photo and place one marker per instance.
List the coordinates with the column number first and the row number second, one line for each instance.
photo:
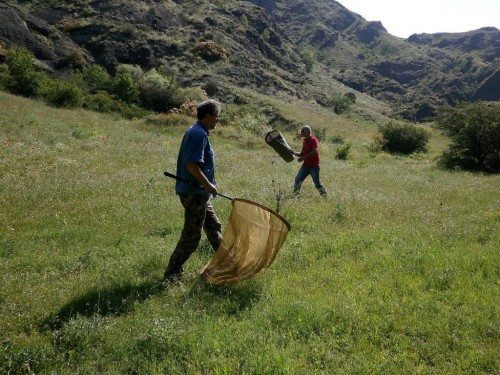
column 115, row 300
column 120, row 299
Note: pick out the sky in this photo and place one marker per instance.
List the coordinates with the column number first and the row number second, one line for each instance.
column 404, row 17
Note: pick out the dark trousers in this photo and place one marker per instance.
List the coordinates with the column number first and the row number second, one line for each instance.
column 198, row 215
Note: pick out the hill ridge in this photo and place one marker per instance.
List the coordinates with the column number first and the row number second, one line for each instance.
column 266, row 42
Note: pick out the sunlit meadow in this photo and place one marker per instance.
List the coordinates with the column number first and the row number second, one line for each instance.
column 396, row 272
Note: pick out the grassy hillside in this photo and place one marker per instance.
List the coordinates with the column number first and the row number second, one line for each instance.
column 396, row 272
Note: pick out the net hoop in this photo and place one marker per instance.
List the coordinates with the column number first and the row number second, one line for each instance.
column 265, row 208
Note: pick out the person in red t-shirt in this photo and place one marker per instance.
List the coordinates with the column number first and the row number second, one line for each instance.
column 310, row 158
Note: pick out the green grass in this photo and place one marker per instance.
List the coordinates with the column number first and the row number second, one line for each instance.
column 395, row 273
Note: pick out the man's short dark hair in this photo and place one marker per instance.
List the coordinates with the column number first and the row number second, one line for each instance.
column 208, row 107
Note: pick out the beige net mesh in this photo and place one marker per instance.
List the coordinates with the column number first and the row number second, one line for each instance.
column 251, row 241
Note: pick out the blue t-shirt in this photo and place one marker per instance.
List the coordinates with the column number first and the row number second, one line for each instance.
column 195, row 148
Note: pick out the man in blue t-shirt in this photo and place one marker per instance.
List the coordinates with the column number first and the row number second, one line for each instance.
column 196, row 164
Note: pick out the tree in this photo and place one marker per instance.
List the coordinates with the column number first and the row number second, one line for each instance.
column 341, row 103
column 474, row 129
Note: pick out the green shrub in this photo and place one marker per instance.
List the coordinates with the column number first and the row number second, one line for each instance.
column 4, row 77
column 134, row 71
column 351, row 96
column 338, row 139
column 192, row 94
column 169, row 120
column 342, row 152
column 404, row 138
column 474, row 129
column 129, row 30
column 341, row 103
column 266, row 35
column 24, row 77
column 105, row 102
column 101, row 101
column 320, row 134
column 232, row 113
column 131, row 111
column 74, row 60
column 96, row 78
column 308, row 57
column 159, row 92
column 211, row 88
column 244, row 19
column 125, row 88
column 377, row 145
column 255, row 123
column 63, row 94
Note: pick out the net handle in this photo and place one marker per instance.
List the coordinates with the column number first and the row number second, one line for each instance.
column 193, row 184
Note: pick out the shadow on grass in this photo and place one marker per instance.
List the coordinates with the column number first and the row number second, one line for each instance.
column 120, row 299
column 115, row 300
column 230, row 299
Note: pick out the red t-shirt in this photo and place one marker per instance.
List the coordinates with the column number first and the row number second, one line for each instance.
column 307, row 146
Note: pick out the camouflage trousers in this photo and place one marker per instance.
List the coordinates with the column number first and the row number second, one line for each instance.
column 198, row 215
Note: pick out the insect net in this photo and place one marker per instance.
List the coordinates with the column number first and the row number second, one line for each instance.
column 251, row 241
column 276, row 140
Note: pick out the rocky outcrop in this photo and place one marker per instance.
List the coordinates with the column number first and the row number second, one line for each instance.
column 370, row 31
column 403, row 72
column 489, row 89
column 14, row 31
column 21, row 29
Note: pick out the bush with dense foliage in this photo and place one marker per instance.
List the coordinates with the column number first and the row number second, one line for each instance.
column 308, row 56
column 63, row 94
column 159, row 92
column 130, row 92
column 342, row 152
column 341, row 103
column 23, row 77
column 134, row 71
column 95, row 78
column 101, row 101
column 211, row 88
column 474, row 129
column 125, row 88
column 403, row 138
